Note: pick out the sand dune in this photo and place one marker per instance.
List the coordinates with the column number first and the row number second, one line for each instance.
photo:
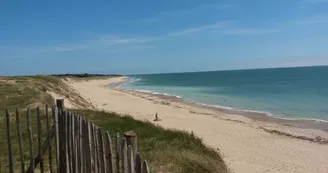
column 246, row 145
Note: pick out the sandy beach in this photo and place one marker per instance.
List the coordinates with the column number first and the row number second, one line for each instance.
column 247, row 145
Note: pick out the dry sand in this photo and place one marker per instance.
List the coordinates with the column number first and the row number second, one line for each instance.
column 243, row 143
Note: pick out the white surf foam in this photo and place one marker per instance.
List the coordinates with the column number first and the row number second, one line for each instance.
column 279, row 116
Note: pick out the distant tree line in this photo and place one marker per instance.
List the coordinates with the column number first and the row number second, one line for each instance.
column 85, row 75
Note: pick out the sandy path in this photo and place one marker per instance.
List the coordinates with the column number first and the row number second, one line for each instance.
column 245, row 147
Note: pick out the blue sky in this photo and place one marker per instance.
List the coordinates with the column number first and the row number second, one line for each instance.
column 148, row 36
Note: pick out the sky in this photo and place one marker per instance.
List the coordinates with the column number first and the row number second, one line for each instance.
column 151, row 36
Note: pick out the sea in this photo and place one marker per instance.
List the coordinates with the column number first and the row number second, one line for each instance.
column 291, row 93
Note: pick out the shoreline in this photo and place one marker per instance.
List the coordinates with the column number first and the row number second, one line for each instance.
column 309, row 130
column 316, row 124
column 244, row 143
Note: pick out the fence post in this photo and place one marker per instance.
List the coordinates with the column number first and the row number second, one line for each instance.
column 60, row 105
column 11, row 167
column 131, row 139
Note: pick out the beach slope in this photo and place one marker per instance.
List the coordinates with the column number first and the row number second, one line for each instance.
column 246, row 145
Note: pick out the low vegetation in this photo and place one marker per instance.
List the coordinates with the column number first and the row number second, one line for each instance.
column 165, row 150
column 85, row 76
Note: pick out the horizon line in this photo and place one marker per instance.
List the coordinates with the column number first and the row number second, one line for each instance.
column 239, row 69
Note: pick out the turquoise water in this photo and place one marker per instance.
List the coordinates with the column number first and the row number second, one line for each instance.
column 300, row 92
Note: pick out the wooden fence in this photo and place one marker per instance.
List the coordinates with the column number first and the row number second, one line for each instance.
column 73, row 145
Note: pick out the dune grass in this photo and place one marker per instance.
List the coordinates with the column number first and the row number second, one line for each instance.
column 165, row 150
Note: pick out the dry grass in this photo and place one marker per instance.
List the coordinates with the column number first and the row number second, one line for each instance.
column 42, row 85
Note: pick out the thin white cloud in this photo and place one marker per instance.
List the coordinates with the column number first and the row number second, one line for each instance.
column 185, row 31
column 248, row 31
column 131, row 48
column 310, row 3
column 294, row 61
column 108, row 41
column 313, row 1
column 61, row 48
column 16, row 57
column 186, row 11
column 200, row 28
column 102, row 42
column 112, row 40
column 311, row 21
column 64, row 48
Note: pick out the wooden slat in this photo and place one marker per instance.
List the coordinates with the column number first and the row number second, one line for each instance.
column 124, row 156
column 138, row 163
column 73, row 142
column 77, row 135
column 83, row 146
column 40, row 139
column 55, row 119
column 101, row 152
column 86, row 146
column 95, row 166
column 97, row 150
column 69, row 139
column 45, row 147
column 145, row 168
column 19, row 133
column 118, row 151
column 30, row 139
column 85, row 157
column 89, row 163
column 109, row 160
column 130, row 159
column 62, row 123
column 76, row 144
column 79, row 155
column 10, row 154
column 92, row 148
column 49, row 141
column 80, row 146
